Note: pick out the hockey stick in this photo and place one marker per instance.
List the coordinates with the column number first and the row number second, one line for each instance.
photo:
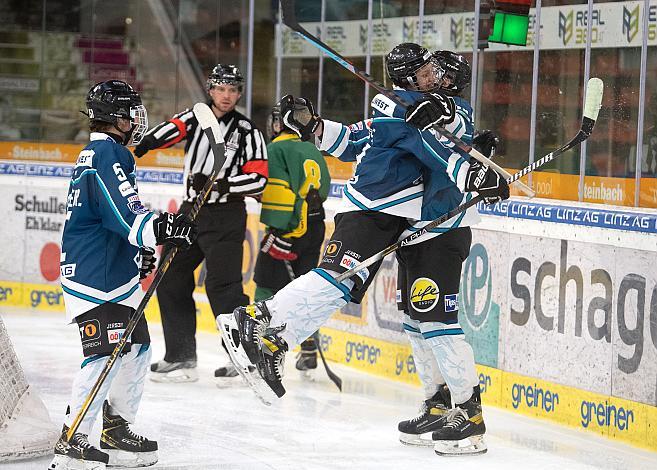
column 591, row 108
column 331, row 375
column 290, row 20
column 208, row 122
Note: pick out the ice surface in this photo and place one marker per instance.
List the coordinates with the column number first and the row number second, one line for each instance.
column 201, row 426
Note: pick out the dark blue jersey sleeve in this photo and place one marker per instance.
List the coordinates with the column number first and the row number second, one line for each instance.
column 120, row 208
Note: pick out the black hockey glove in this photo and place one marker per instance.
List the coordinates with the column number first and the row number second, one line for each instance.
column 176, row 229
column 432, row 109
column 277, row 247
column 148, row 260
column 487, row 182
column 486, row 142
column 147, row 143
column 299, row 116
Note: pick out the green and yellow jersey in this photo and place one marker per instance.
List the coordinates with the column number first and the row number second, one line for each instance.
column 295, row 168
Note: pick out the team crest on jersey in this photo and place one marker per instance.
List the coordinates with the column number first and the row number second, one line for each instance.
column 356, row 127
column 424, row 294
column 135, row 205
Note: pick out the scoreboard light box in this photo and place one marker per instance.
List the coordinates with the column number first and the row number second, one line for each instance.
column 509, row 28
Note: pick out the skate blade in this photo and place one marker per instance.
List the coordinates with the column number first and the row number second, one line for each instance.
column 123, row 458
column 227, row 324
column 175, row 376
column 415, row 440
column 473, row 445
column 62, row 462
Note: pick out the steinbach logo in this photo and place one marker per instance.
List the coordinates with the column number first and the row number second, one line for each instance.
column 630, row 23
column 566, row 27
column 456, row 32
column 605, row 415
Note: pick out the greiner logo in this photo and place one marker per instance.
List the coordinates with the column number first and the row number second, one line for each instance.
column 534, row 397
column 605, row 415
column 485, row 381
column 38, row 297
column 404, row 362
column 362, row 352
column 5, row 293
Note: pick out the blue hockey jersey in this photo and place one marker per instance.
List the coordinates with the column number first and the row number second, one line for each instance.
column 106, row 224
column 401, row 170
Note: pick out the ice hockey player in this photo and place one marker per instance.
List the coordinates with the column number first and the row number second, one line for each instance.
column 293, row 212
column 387, row 189
column 221, row 220
column 107, row 246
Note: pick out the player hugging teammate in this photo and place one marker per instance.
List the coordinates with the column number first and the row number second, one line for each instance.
column 407, row 175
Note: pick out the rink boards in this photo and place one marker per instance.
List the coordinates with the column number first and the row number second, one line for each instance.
column 558, row 300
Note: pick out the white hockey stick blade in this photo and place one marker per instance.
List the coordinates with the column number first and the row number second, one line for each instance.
column 207, row 120
column 593, row 103
column 227, row 326
column 473, row 445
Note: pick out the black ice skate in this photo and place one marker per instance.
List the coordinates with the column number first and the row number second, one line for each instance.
column 307, row 358
column 252, row 321
column 77, row 454
column 431, row 418
column 174, row 372
column 241, row 331
column 463, row 431
column 272, row 353
column 125, row 448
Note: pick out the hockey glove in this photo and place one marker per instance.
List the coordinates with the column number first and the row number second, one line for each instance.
column 486, row 142
column 148, row 260
column 277, row 247
column 147, row 143
column 432, row 109
column 487, row 182
column 176, row 229
column 299, row 116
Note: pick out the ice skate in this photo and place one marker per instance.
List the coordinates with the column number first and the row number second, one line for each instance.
column 229, row 326
column 174, row 372
column 77, row 454
column 463, row 431
column 124, row 447
column 307, row 358
column 272, row 351
column 431, row 418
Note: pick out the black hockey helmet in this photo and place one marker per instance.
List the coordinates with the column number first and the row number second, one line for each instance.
column 113, row 99
column 402, row 63
column 225, row 74
column 456, row 69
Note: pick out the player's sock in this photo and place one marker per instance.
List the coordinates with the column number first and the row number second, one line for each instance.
column 306, row 303
column 307, row 359
column 164, row 371
column 431, row 418
column 463, row 430
column 124, row 447
column 77, row 454
column 424, row 359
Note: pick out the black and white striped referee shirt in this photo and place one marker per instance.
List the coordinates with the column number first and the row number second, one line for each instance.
column 245, row 170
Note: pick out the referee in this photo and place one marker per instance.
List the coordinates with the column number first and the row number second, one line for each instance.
column 221, row 221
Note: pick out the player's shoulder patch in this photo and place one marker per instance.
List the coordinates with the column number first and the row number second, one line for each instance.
column 85, row 159
column 357, row 126
column 383, row 104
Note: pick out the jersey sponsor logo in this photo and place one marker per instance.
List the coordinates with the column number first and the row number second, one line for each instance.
column 89, row 331
column 348, row 262
column 451, row 302
column 113, row 336
column 356, row 126
column 85, row 158
column 126, row 188
column 424, row 294
column 398, row 296
column 67, row 270
column 332, row 249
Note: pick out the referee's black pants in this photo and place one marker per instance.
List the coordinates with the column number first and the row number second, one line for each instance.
column 221, row 231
